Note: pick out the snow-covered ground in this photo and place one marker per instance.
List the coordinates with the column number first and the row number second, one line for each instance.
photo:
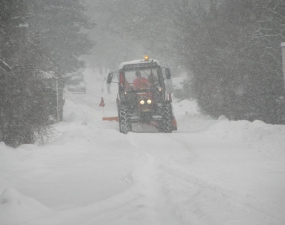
column 210, row 172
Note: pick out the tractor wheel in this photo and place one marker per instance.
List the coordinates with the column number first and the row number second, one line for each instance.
column 167, row 118
column 124, row 119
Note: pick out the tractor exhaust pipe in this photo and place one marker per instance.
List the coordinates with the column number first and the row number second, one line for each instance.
column 283, row 60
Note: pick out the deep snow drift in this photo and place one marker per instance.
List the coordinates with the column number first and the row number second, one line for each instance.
column 208, row 172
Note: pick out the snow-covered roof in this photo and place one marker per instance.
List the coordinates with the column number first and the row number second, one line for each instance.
column 138, row 61
column 47, row 74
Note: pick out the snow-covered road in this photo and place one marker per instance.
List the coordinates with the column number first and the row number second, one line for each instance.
column 208, row 172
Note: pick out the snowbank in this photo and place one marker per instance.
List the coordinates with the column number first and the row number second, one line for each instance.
column 266, row 137
column 17, row 208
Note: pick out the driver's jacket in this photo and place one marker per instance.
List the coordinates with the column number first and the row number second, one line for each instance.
column 140, row 83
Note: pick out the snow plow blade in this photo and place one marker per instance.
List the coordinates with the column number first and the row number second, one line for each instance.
column 112, row 118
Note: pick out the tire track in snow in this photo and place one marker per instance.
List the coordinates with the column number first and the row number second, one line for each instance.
column 172, row 191
column 191, row 199
column 241, row 206
column 192, row 189
column 146, row 177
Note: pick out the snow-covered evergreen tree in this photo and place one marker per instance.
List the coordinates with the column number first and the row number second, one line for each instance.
column 40, row 44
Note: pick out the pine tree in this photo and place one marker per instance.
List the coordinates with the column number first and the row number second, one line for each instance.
column 234, row 52
column 38, row 54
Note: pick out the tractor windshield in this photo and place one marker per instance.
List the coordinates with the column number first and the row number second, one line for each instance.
column 141, row 79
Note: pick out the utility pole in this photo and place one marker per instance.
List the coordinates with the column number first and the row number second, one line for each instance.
column 283, row 60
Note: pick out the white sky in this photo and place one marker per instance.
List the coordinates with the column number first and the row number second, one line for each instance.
column 208, row 172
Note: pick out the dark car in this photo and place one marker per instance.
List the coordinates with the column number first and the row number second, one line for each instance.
column 79, row 88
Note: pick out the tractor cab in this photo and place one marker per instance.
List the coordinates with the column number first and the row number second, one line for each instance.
column 144, row 88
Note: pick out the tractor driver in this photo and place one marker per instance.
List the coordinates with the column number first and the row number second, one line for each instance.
column 140, row 82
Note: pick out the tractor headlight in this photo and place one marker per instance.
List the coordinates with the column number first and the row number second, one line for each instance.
column 148, row 101
column 142, row 102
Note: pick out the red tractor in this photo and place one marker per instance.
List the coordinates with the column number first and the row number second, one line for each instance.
column 144, row 89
